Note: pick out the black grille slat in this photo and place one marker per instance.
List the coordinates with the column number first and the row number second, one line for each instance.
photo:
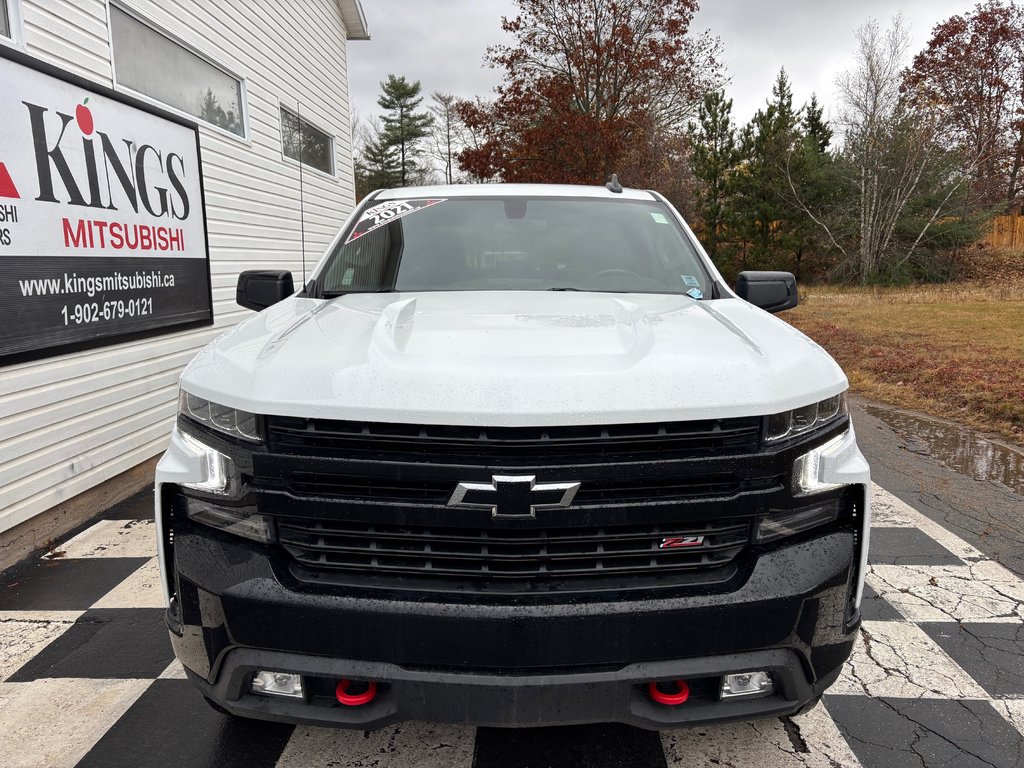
column 298, row 547
column 562, row 553
column 525, row 535
column 522, row 572
column 413, row 491
column 537, row 563
column 339, row 486
column 471, row 444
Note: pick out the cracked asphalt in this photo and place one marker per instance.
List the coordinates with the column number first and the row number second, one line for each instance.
column 936, row 679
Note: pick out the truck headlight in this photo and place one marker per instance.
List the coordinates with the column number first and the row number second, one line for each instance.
column 220, row 475
column 807, row 475
column 228, row 421
column 802, row 420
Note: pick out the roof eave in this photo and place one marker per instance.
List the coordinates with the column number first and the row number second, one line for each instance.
column 355, row 20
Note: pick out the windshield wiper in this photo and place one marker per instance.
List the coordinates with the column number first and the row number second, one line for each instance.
column 564, row 288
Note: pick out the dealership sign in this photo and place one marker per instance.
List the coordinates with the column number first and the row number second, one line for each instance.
column 102, row 227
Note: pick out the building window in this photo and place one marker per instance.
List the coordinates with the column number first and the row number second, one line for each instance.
column 309, row 145
column 152, row 64
column 5, row 19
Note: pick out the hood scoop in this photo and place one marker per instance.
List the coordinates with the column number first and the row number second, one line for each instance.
column 397, row 321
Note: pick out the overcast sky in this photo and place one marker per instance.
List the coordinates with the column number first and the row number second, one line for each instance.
column 442, row 43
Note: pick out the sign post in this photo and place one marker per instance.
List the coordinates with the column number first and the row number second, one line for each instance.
column 102, row 218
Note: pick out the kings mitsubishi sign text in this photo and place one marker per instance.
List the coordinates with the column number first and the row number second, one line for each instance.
column 102, row 229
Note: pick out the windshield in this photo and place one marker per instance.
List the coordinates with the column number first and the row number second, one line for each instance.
column 515, row 244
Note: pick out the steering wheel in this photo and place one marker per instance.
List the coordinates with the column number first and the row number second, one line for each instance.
column 604, row 272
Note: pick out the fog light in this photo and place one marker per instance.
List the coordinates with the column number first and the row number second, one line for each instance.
column 277, row 684
column 241, row 521
column 779, row 525
column 746, row 684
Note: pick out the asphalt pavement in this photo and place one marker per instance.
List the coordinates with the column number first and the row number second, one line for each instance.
column 984, row 512
column 937, row 679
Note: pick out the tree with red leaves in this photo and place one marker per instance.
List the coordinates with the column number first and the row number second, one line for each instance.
column 971, row 77
column 592, row 88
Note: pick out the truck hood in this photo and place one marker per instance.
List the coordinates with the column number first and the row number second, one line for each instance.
column 513, row 359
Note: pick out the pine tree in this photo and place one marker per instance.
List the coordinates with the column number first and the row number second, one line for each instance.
column 815, row 128
column 377, row 162
column 767, row 218
column 714, row 157
column 404, row 127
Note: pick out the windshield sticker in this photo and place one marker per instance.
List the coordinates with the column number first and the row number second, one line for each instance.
column 691, row 281
column 377, row 216
column 695, row 293
column 659, row 217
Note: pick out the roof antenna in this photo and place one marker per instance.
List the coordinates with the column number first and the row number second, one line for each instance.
column 302, row 199
column 613, row 184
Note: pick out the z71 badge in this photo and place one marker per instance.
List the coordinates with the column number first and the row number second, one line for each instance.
column 680, row 542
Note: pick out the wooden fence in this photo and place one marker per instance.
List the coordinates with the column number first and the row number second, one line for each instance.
column 1006, row 232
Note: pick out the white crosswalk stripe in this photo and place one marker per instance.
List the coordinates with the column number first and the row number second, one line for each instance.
column 897, row 659
column 981, row 591
column 53, row 722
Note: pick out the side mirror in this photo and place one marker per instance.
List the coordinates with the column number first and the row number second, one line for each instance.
column 260, row 288
column 771, row 291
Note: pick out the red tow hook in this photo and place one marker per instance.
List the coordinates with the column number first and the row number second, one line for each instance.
column 355, row 699
column 669, row 699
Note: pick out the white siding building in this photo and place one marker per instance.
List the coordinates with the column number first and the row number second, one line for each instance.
column 71, row 422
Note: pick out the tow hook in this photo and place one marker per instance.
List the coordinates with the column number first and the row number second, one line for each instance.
column 669, row 699
column 355, row 699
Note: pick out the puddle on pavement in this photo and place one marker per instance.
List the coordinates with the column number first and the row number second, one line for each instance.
column 958, row 448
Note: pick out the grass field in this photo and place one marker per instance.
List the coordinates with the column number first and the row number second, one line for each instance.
column 953, row 350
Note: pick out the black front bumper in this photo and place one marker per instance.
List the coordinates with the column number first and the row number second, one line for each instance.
column 519, row 700
column 511, row 664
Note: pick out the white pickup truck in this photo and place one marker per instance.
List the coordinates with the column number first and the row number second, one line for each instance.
column 515, row 455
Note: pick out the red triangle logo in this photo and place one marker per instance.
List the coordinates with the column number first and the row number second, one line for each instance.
column 7, row 188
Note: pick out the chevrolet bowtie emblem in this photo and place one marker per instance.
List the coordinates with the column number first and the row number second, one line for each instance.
column 514, row 496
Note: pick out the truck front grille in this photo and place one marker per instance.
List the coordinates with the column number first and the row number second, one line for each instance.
column 520, row 560
column 366, row 505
